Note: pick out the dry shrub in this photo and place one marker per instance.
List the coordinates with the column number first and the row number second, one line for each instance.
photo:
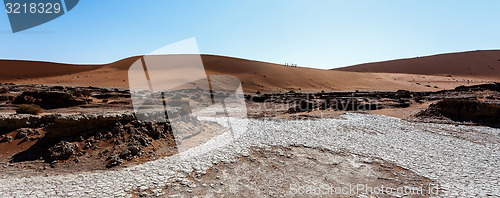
column 29, row 109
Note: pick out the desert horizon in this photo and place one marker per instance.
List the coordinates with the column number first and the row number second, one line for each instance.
column 358, row 99
column 437, row 72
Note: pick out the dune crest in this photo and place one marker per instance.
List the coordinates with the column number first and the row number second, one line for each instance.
column 482, row 63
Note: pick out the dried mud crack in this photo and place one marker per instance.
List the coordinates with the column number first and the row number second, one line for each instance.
column 297, row 172
column 449, row 162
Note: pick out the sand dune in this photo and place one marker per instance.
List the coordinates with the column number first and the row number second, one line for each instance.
column 37, row 72
column 484, row 64
column 13, row 69
column 255, row 75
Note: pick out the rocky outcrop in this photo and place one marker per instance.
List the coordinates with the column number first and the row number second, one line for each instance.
column 22, row 133
column 81, row 124
column 464, row 111
column 111, row 95
column 58, row 126
column 491, row 87
column 50, row 99
column 5, row 139
column 61, row 151
column 9, row 123
column 114, row 137
column 114, row 161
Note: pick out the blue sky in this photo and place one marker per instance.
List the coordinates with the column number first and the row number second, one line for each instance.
column 320, row 33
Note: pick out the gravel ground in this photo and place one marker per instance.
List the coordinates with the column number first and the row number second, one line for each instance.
column 461, row 166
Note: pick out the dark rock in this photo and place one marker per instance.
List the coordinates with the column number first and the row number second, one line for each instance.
column 50, row 99
column 61, row 151
column 111, row 95
column 403, row 94
column 6, row 139
column 154, row 131
column 482, row 87
column 131, row 151
column 134, row 149
column 59, row 88
column 143, row 140
column 124, row 154
column 117, row 142
column 25, row 139
column 117, row 128
column 6, row 98
column 22, row 133
column 114, row 161
column 302, row 106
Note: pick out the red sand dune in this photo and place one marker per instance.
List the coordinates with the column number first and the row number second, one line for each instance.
column 483, row 63
column 266, row 77
column 21, row 69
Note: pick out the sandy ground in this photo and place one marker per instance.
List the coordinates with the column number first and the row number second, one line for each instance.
column 403, row 113
column 254, row 76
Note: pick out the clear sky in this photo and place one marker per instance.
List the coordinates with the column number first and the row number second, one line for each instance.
column 317, row 33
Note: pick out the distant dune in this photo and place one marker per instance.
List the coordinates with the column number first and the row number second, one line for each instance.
column 483, row 63
column 269, row 77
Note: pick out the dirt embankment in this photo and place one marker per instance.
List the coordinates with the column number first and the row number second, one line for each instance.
column 80, row 128
column 464, row 111
column 479, row 104
column 83, row 142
